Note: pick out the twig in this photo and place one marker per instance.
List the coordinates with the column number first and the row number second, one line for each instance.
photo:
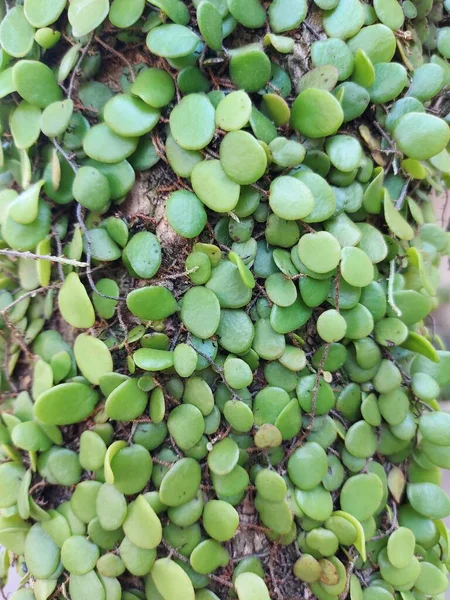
column 64, row 154
column 60, row 253
column 132, row 431
column 213, row 235
column 307, row 227
column 6, row 359
column 256, row 555
column 164, row 278
column 260, row 189
column 184, row 274
column 30, row 294
column 312, row 30
column 119, row 56
column 220, row 436
column 349, row 571
column 314, row 393
column 176, row 336
column 406, row 377
column 17, row 336
column 444, row 209
column 88, row 257
column 391, row 300
column 217, row 60
column 274, row 88
column 401, row 198
column 159, row 147
column 392, row 526
column 167, row 397
column 175, row 448
column 56, row 259
column 316, row 390
column 337, row 287
column 124, row 329
column 255, row 527
column 82, row 224
column 395, row 165
column 8, row 395
column 163, row 463
column 211, row 153
column 37, row 486
column 384, row 134
column 77, row 67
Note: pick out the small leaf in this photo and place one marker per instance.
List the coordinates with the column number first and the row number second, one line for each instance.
column 396, row 483
column 87, row 15
column 110, row 453
column 250, row 586
column 24, row 209
column 417, row 343
column 171, row 581
column 360, row 543
column 142, row 525
column 68, row 62
column 74, row 303
column 25, row 125
column 65, row 404
column 245, row 273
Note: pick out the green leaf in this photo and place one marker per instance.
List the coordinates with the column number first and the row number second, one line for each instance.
column 24, row 209
column 141, row 525
column 74, row 303
column 36, row 83
column 87, row 15
column 172, row 41
column 360, row 543
column 41, row 13
column 395, row 221
column 250, row 586
column 93, row 357
column 25, row 125
column 417, row 343
column 16, row 33
column 65, row 404
column 124, row 13
column 171, row 580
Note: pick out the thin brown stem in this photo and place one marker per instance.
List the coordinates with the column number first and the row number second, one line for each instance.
column 314, row 393
column 120, row 56
column 337, row 287
column 403, row 193
column 30, row 294
column 392, row 526
column 56, row 259
column 218, row 370
column 88, row 256
column 60, row 253
column 76, row 70
column 66, row 156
